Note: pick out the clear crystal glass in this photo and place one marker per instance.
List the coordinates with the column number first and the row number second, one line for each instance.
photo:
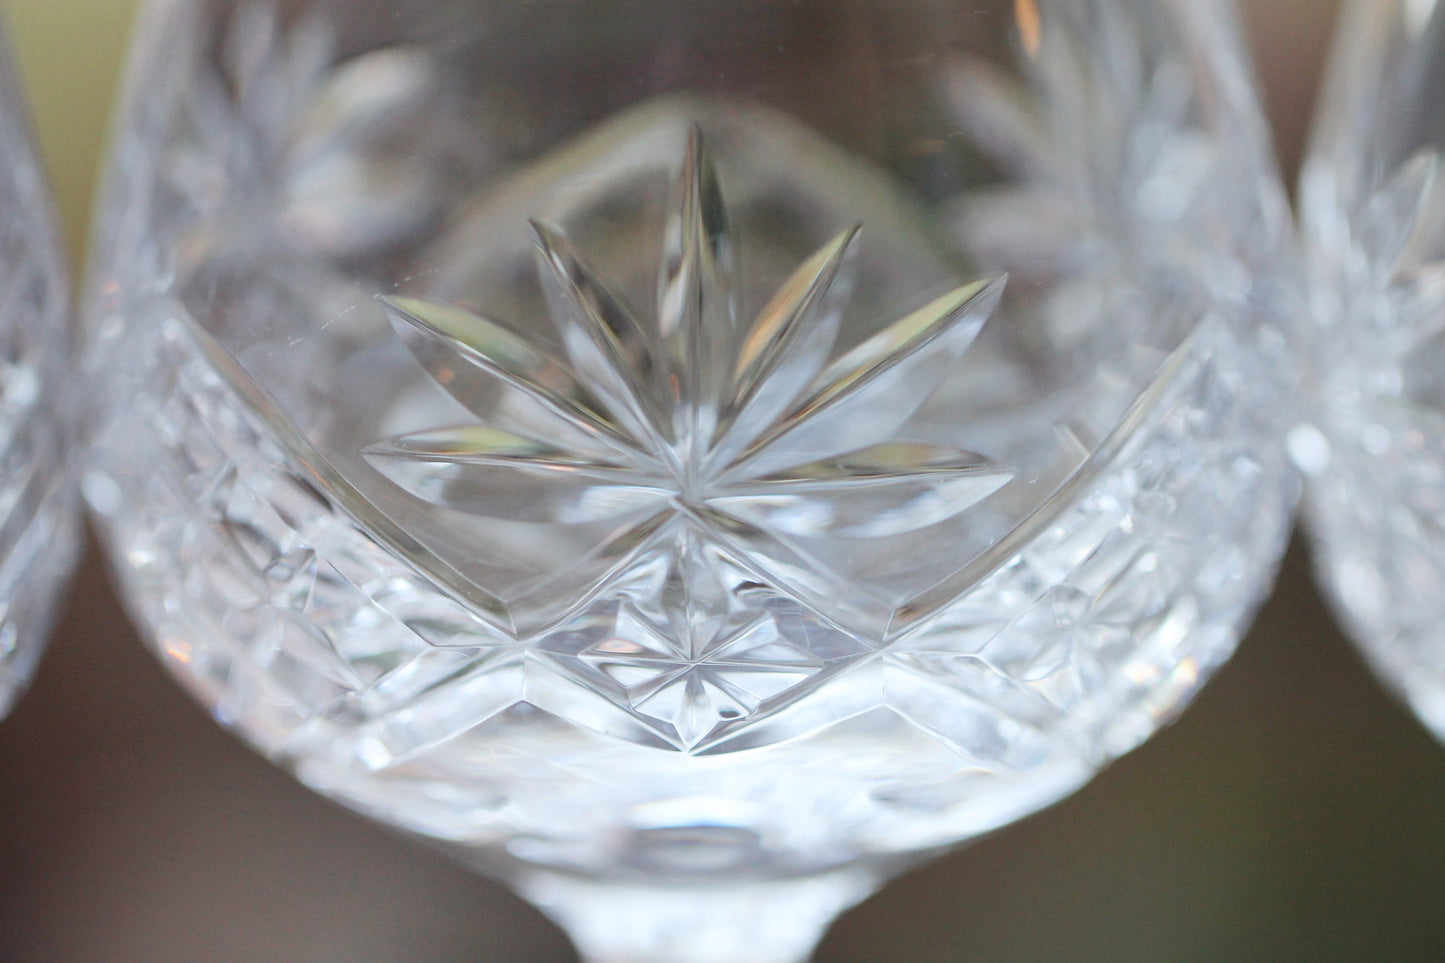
column 39, row 534
column 1373, row 206
column 692, row 459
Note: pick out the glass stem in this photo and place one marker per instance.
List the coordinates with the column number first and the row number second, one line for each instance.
column 761, row 922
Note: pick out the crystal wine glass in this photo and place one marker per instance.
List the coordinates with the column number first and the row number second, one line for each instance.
column 39, row 535
column 1373, row 207
column 690, row 460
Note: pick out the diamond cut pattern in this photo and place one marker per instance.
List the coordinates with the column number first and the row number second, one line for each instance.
column 697, row 647
column 689, row 698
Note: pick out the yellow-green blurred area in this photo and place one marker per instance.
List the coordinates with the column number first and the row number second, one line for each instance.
column 1295, row 813
column 69, row 53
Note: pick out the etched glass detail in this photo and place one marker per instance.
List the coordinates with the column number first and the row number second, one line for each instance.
column 39, row 530
column 700, row 432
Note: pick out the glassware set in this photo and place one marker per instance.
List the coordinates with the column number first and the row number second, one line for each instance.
column 692, row 461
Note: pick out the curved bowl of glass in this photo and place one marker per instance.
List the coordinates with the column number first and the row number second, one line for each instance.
column 691, row 460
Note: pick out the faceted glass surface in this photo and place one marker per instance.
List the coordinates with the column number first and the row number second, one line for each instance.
column 1374, row 212
column 38, row 531
column 692, row 443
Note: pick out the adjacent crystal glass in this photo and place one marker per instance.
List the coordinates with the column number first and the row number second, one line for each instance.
column 692, row 459
column 39, row 534
column 1374, row 216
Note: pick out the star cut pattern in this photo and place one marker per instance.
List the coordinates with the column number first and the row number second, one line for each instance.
column 695, row 695
column 696, row 648
column 723, row 465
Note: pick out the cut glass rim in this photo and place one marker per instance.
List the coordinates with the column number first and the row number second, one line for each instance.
column 371, row 519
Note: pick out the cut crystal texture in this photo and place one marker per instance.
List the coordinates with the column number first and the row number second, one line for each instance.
column 1374, row 217
column 737, row 475
column 630, row 485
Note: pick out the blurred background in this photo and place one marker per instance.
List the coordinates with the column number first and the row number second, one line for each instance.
column 1296, row 813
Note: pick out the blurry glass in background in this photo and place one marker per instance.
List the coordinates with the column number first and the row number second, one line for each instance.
column 39, row 536
column 1373, row 205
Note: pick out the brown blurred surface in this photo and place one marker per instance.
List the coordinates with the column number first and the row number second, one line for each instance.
column 1294, row 814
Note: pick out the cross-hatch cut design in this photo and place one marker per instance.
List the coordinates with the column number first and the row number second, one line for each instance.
column 700, row 442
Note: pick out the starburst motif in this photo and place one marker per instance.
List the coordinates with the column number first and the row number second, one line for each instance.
column 654, row 675
column 697, row 443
